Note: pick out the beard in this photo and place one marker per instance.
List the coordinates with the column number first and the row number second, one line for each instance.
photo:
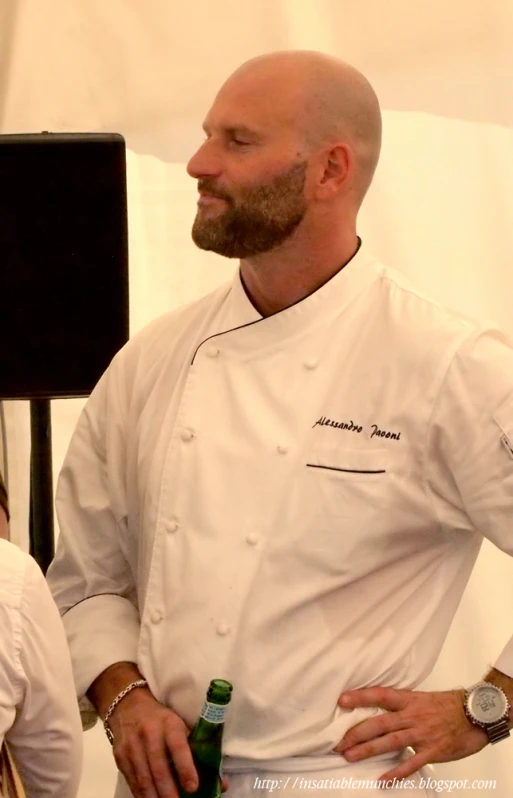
column 261, row 218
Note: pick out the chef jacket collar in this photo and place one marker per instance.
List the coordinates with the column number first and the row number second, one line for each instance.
column 246, row 327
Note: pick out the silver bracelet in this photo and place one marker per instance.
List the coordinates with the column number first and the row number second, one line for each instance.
column 122, row 694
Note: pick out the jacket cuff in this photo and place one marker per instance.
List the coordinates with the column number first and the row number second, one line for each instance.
column 101, row 631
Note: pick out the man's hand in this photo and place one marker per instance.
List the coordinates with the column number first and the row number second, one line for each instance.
column 433, row 724
column 147, row 736
column 151, row 745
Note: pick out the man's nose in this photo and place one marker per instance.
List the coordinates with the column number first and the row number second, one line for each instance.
column 205, row 162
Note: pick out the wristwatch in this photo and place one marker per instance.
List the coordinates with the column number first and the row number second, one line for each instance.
column 487, row 706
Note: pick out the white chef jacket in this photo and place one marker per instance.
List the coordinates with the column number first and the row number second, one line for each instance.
column 292, row 503
column 38, row 708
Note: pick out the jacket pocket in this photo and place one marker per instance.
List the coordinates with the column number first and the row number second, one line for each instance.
column 349, row 463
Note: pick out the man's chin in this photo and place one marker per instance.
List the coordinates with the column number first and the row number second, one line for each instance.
column 224, row 252
column 224, row 248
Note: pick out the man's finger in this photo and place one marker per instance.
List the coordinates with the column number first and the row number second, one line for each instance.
column 129, row 774
column 396, row 741
column 182, row 760
column 161, row 769
column 371, row 729
column 140, row 779
column 406, row 768
column 383, row 697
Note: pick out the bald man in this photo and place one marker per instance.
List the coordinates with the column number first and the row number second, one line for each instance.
column 286, row 483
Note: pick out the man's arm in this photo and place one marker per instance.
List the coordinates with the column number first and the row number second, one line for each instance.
column 93, row 585
column 90, row 576
column 147, row 735
column 110, row 683
column 434, row 724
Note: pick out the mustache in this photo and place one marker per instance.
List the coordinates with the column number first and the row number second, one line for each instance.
column 209, row 188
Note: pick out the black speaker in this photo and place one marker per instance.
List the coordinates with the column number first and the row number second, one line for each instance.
column 63, row 262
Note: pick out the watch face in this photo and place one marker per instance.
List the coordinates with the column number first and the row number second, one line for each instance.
column 487, row 704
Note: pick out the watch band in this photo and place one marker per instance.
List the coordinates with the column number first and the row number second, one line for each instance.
column 498, row 731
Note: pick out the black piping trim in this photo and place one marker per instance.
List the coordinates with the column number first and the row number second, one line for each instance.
column 87, row 599
column 347, row 470
column 257, row 321
column 216, row 335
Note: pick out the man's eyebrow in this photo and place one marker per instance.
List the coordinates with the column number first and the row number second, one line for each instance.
column 234, row 130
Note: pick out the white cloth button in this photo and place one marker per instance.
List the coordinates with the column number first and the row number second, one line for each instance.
column 172, row 526
column 222, row 629
column 187, row 435
column 311, row 364
column 282, row 449
column 252, row 538
column 212, row 351
column 156, row 616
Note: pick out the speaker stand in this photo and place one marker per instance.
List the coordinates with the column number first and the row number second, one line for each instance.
column 41, row 531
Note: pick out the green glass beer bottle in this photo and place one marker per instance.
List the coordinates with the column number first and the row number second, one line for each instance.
column 205, row 741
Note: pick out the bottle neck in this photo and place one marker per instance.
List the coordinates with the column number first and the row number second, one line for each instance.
column 206, row 730
column 213, row 712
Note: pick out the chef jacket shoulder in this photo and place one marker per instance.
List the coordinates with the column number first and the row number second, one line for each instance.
column 163, row 344
column 475, row 377
column 180, row 327
column 419, row 315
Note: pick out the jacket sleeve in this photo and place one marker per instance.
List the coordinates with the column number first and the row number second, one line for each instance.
column 46, row 735
column 91, row 577
column 469, row 452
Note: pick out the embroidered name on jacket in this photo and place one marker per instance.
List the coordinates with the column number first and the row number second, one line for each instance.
column 350, row 426
column 327, row 422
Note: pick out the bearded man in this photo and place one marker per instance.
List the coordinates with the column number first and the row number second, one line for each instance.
column 286, row 483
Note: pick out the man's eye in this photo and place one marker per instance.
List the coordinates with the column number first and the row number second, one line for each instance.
column 239, row 142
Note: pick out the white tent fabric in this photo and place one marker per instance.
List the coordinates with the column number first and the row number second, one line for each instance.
column 439, row 209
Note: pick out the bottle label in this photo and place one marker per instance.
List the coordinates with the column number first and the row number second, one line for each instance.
column 214, row 713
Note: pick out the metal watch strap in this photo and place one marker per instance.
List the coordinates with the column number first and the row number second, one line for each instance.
column 119, row 697
column 498, row 731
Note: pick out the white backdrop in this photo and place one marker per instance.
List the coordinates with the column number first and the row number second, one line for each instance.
column 440, row 208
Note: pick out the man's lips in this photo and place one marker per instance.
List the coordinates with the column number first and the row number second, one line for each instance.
column 210, row 199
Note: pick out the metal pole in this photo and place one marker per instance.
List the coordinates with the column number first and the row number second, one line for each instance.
column 41, row 531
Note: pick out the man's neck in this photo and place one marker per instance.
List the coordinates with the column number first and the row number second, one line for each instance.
column 276, row 280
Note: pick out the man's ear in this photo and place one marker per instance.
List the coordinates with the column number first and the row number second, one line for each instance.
column 338, row 167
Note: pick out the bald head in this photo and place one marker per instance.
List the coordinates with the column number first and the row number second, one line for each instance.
column 331, row 102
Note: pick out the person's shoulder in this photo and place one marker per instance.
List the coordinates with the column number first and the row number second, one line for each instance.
column 429, row 330
column 12, row 559
column 180, row 320
column 418, row 310
column 18, row 570
column 167, row 339
column 172, row 330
